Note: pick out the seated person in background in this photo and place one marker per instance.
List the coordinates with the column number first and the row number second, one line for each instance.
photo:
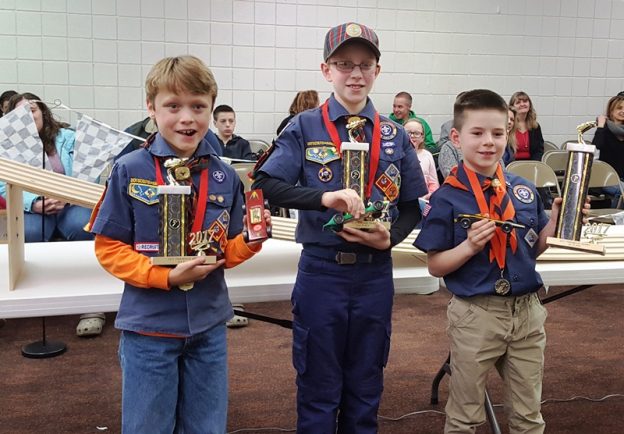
column 402, row 111
column 59, row 219
column 2, row 203
column 510, row 150
column 148, row 126
column 45, row 218
column 449, row 155
column 4, row 101
column 529, row 139
column 416, row 133
column 609, row 138
column 304, row 100
column 232, row 146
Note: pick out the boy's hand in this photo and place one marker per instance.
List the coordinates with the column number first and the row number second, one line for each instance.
column 377, row 237
column 345, row 200
column 479, row 234
column 192, row 271
column 267, row 219
column 556, row 208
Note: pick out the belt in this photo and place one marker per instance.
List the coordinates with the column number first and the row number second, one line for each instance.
column 345, row 258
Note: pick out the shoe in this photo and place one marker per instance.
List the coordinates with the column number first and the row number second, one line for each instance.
column 237, row 320
column 90, row 324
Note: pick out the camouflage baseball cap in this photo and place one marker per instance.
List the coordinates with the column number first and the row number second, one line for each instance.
column 337, row 36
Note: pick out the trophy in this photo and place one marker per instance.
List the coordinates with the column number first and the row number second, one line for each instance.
column 174, row 209
column 575, row 186
column 355, row 172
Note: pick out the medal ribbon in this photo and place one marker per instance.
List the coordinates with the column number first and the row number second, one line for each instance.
column 500, row 208
column 200, row 203
column 375, row 151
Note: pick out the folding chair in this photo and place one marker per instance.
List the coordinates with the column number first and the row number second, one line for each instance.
column 550, row 146
column 258, row 146
column 242, row 170
column 558, row 161
column 604, row 175
column 539, row 173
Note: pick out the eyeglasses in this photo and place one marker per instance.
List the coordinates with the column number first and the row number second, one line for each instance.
column 348, row 66
column 621, row 93
column 414, row 134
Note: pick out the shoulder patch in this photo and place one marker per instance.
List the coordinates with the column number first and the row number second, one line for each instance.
column 388, row 130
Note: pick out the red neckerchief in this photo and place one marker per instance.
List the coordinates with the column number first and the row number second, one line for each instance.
column 500, row 208
column 200, row 209
column 374, row 155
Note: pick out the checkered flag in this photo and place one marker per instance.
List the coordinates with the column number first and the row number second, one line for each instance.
column 19, row 140
column 97, row 145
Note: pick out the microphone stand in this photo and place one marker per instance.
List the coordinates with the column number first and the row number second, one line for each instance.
column 43, row 349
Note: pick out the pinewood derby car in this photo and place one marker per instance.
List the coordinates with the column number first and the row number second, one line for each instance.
column 374, row 210
column 256, row 227
column 466, row 220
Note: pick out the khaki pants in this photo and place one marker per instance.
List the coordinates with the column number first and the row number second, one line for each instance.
column 502, row 332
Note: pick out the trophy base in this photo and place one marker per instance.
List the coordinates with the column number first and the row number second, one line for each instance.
column 175, row 260
column 576, row 245
column 366, row 224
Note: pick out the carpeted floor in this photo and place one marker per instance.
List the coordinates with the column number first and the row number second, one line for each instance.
column 79, row 391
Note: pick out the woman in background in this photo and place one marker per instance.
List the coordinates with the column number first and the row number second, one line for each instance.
column 45, row 218
column 529, row 139
column 609, row 138
column 304, row 100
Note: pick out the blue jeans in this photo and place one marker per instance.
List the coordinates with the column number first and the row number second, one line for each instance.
column 172, row 385
column 613, row 190
column 68, row 224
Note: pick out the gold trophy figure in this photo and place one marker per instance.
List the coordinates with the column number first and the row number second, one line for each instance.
column 174, row 207
column 576, row 184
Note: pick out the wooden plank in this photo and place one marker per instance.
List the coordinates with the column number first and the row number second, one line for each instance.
column 15, row 233
column 47, row 183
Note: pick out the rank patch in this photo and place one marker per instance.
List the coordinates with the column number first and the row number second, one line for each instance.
column 325, row 174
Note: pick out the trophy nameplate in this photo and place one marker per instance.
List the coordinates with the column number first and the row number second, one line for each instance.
column 576, row 184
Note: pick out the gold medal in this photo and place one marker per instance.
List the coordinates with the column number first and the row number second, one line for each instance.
column 502, row 287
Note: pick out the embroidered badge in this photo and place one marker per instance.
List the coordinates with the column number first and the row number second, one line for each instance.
column 523, row 193
column 388, row 130
column 389, row 151
column 387, row 144
column 531, row 237
column 146, row 247
column 322, row 154
column 218, row 176
column 143, row 192
column 392, row 192
column 224, row 219
column 392, row 171
column 383, row 182
column 325, row 174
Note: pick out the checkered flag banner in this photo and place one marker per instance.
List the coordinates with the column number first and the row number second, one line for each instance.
column 97, row 145
column 19, row 140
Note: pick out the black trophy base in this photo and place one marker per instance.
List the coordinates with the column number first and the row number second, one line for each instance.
column 43, row 349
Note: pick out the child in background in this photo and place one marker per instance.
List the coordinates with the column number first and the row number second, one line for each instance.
column 416, row 132
column 172, row 348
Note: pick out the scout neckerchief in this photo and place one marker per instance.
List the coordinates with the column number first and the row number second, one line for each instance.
column 500, row 207
column 199, row 204
column 374, row 155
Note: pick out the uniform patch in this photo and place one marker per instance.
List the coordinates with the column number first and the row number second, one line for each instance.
column 322, row 154
column 325, row 174
column 388, row 130
column 143, row 191
column 146, row 247
column 389, row 151
column 531, row 237
column 523, row 193
column 218, row 176
column 426, row 209
column 388, row 186
column 387, row 144
column 392, row 171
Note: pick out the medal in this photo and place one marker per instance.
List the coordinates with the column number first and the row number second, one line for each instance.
column 502, row 286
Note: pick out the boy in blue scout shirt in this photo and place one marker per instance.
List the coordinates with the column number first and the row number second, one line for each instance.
column 172, row 349
column 342, row 299
column 495, row 316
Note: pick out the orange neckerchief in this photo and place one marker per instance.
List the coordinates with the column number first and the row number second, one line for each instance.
column 500, row 206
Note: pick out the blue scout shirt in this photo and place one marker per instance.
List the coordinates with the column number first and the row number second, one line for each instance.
column 305, row 154
column 129, row 213
column 477, row 276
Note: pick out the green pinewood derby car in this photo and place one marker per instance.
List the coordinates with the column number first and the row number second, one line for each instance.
column 374, row 209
